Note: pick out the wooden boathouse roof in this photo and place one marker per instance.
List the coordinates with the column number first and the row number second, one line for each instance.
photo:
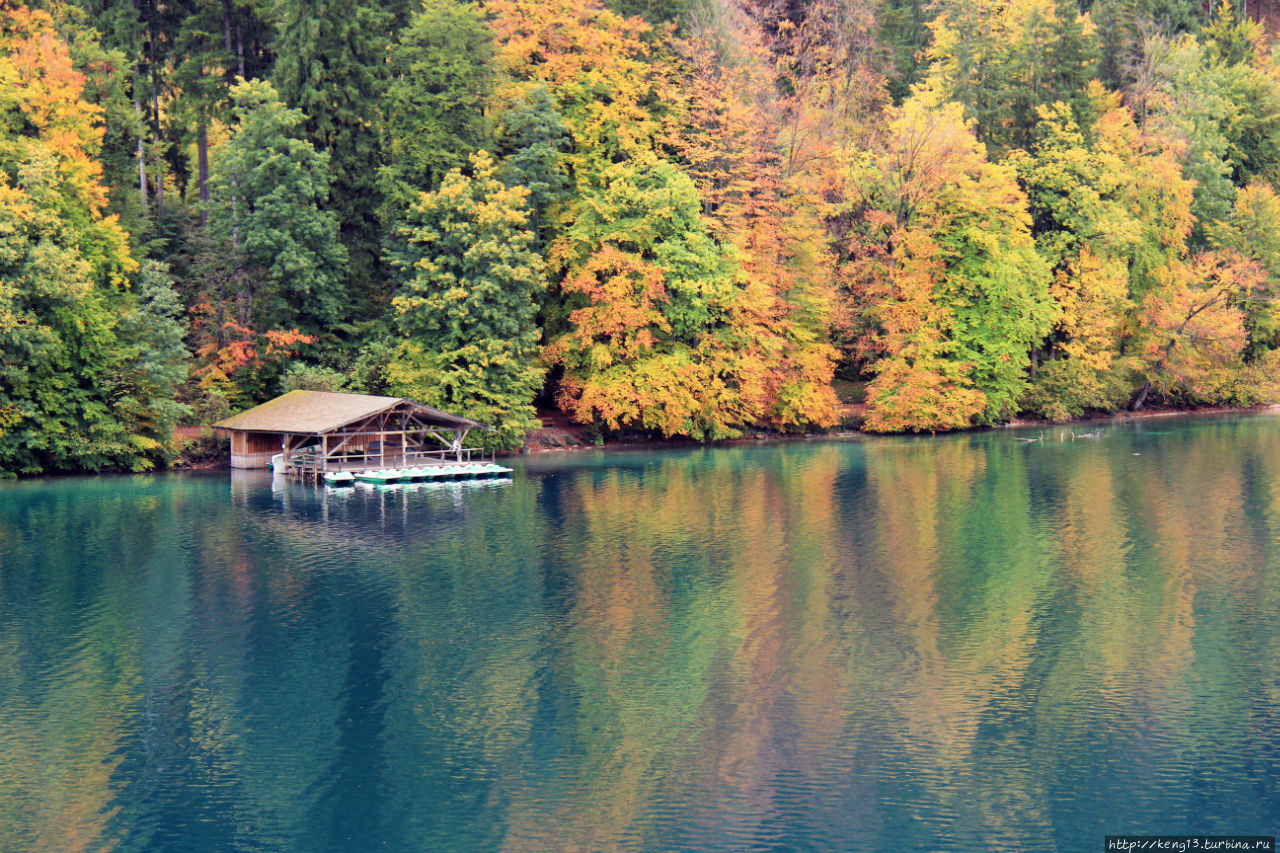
column 318, row 412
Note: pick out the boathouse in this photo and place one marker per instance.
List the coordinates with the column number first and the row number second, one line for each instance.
column 312, row 432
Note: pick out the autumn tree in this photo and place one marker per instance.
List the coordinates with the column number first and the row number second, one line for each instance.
column 600, row 68
column 947, row 272
column 125, row 51
column 1111, row 212
column 1253, row 231
column 469, row 341
column 1184, row 102
column 1192, row 333
column 651, row 295
column 89, row 352
column 99, row 53
column 758, row 192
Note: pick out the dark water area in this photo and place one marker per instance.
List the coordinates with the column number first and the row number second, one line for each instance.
column 968, row 643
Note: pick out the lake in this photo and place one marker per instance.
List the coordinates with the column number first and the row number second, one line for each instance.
column 966, row 643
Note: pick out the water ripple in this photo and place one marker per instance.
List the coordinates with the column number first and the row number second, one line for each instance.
column 968, row 643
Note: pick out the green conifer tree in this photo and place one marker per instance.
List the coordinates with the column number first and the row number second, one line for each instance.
column 440, row 78
column 1003, row 60
column 533, row 139
column 330, row 64
column 268, row 213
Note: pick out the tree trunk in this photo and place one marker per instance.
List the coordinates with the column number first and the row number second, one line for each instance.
column 226, row 25
column 142, row 153
column 221, row 311
column 202, row 157
column 159, row 175
column 226, row 38
column 1142, row 397
column 137, row 115
column 155, row 118
column 244, row 294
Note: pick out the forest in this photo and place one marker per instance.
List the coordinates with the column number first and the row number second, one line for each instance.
column 673, row 218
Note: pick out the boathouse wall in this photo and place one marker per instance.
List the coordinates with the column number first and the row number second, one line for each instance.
column 254, row 449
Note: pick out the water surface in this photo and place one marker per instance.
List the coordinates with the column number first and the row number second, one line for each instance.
column 964, row 643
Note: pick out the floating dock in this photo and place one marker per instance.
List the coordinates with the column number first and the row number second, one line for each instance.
column 426, row 473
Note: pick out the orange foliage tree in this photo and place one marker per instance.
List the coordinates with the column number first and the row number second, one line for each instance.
column 608, row 79
column 1191, row 330
column 944, row 270
column 236, row 363
column 754, row 196
column 651, row 341
column 667, row 326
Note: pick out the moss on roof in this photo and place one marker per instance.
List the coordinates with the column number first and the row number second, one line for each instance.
column 314, row 412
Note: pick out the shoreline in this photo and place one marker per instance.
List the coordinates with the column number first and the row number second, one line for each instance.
column 1151, row 412
column 1146, row 413
column 758, row 437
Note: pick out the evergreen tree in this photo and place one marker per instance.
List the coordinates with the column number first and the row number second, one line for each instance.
column 466, row 312
column 330, row 65
column 904, row 30
column 1003, row 60
column 270, row 223
column 533, row 140
column 1123, row 25
column 440, row 72
column 153, row 359
column 209, row 54
column 657, row 12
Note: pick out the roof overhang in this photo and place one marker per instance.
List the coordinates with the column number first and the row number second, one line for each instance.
column 320, row 412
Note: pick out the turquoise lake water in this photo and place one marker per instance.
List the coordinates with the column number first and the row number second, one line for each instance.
column 966, row 643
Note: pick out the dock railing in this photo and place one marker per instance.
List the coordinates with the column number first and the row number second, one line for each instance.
column 309, row 463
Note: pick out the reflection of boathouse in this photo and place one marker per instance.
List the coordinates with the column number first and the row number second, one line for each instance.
column 318, row 431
